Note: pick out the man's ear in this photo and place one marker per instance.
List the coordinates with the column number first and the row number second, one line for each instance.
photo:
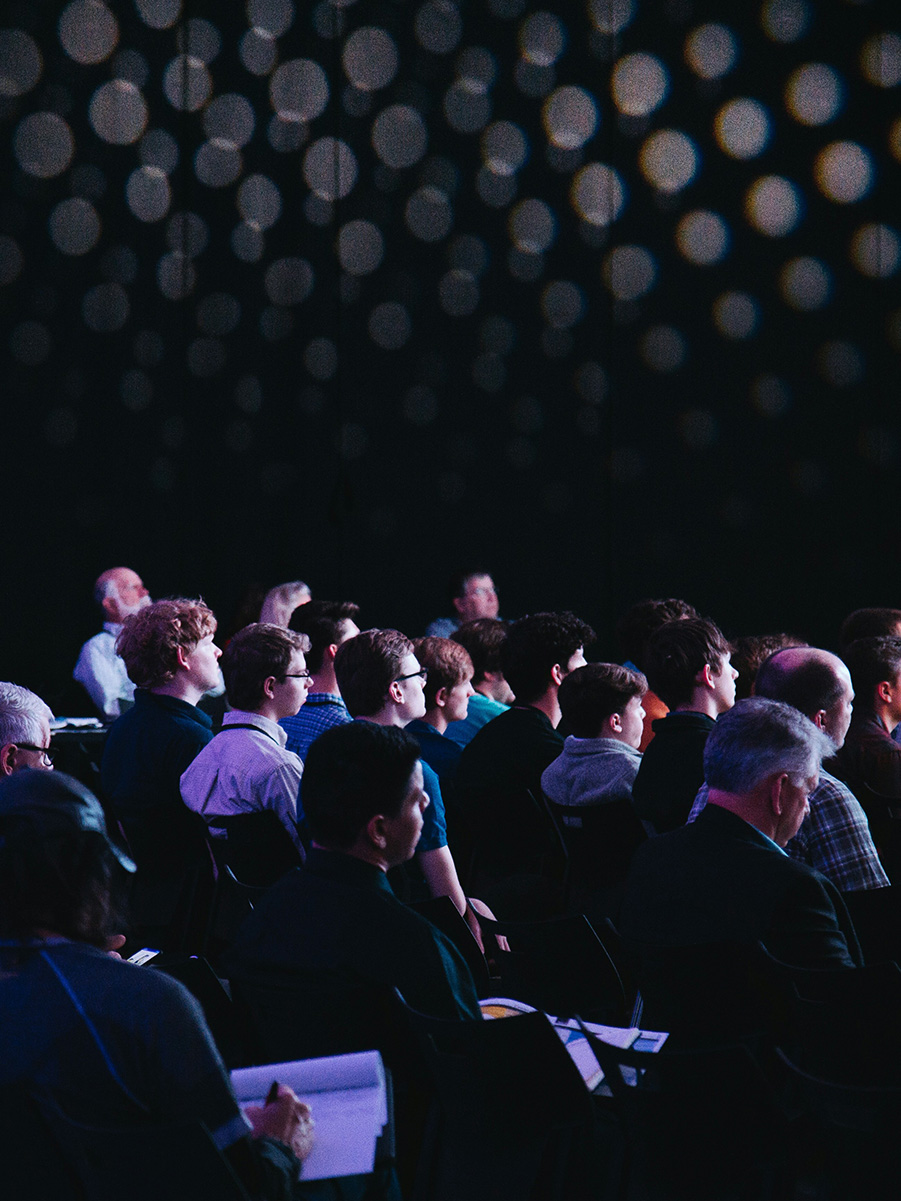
column 884, row 692
column 441, row 697
column 819, row 719
column 269, row 687
column 375, row 831
column 395, row 692
column 332, row 649
column 777, row 793
column 182, row 656
column 7, row 758
column 557, row 674
column 110, row 607
column 706, row 676
column 456, row 602
column 615, row 723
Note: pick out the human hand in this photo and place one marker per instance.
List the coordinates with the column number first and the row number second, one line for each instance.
column 113, row 945
column 287, row 1119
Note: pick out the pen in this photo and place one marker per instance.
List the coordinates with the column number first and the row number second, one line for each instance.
column 272, row 1095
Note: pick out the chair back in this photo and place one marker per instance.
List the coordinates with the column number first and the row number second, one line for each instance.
column 443, row 913
column 256, row 847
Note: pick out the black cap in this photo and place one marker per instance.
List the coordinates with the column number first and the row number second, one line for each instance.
column 50, row 802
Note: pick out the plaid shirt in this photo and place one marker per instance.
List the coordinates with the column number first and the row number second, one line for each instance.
column 834, row 837
column 319, row 712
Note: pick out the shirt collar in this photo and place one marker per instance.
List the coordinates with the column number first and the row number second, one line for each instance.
column 112, row 627
column 240, row 717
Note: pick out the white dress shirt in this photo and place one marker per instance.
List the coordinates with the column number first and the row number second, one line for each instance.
column 103, row 673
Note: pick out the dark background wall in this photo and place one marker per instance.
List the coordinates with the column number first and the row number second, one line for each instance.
column 603, row 296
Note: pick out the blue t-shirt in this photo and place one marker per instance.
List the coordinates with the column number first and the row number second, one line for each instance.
column 434, row 824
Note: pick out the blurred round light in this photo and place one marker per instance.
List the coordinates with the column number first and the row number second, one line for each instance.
column 288, row 281
column 330, row 168
column 274, row 16
column 668, row 160
column 370, row 58
column 735, row 315
column 175, row 276
column 20, row 62
column 702, row 237
column 187, row 83
column 147, row 193
column 663, row 348
column 504, row 148
column 118, row 112
column 399, row 136
column 785, row 20
column 88, row 31
column 259, row 201
column 805, row 284
column 844, row 172
column 458, row 293
column 467, row 106
column 840, row 364
column 299, row 90
column 639, row 84
column 159, row 14
column 477, row 65
column 247, row 243
column 880, row 60
column 598, row 194
column 773, row 205
column 428, row 214
column 611, row 16
column 770, row 395
column 217, row 163
column 438, row 26
column 159, row 149
column 541, row 39
column 711, row 51
column 75, row 226
column 11, row 261
column 894, row 138
column 321, row 358
column 390, row 325
column 200, row 38
column 876, row 250
column 742, row 128
column 814, row 94
column 187, row 233
column 629, row 272
column 570, row 117
column 361, row 247
column 563, row 304
column 532, row 226
column 229, row 119
column 43, row 145
column 105, row 308
column 132, row 66
column 258, row 51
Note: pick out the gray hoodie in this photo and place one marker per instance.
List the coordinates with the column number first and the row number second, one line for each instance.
column 591, row 771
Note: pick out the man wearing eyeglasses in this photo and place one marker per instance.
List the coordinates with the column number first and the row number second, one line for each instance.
column 24, row 730
column 246, row 768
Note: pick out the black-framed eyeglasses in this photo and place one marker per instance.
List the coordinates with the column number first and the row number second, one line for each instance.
column 38, row 750
column 297, row 675
column 423, row 673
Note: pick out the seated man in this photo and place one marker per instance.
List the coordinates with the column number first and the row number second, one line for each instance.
column 725, row 877
column 689, row 669
column 869, row 623
column 170, row 655
column 246, row 768
column 482, row 639
column 472, row 596
column 326, row 624
column 448, row 689
column 24, row 730
column 119, row 592
column 601, row 704
column 336, row 920
column 281, row 601
column 634, row 632
column 870, row 758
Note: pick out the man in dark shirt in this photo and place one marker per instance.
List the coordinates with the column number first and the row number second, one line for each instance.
column 870, row 758
column 689, row 669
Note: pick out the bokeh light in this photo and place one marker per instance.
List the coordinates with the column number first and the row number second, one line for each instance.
column 570, row 117
column 187, row 83
column 629, row 272
column 159, row 14
column 840, row 363
column 88, row 31
column 259, row 202
column 330, row 168
column 20, row 62
column 598, row 194
column 541, row 39
column 742, row 128
column 118, row 112
column 532, row 226
column 663, row 348
column 504, row 148
column 611, row 16
column 105, row 308
column 148, row 194
column 805, row 284
column 289, row 281
column 639, row 84
column 390, row 325
column 229, row 119
column 880, row 60
column 298, row 90
column 711, row 51
column 844, row 172
column 773, row 205
column 370, row 58
column 736, row 315
column 703, row 237
column 785, row 20
column 217, row 163
column 563, row 304
column 876, row 250
column 399, row 136
column 43, row 145
column 814, row 94
column 669, row 160
column 75, row 226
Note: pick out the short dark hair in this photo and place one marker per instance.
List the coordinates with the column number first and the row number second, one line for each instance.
column 869, row 623
column 809, row 682
column 448, row 662
column 646, row 616
column 456, row 586
column 351, row 773
column 253, row 655
column 365, row 667
column 590, row 694
column 483, row 638
column 870, row 661
column 750, row 651
column 534, row 644
column 321, row 621
column 677, row 652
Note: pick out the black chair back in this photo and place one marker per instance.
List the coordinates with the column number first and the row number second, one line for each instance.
column 257, row 847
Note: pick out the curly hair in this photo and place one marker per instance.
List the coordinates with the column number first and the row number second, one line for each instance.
column 149, row 640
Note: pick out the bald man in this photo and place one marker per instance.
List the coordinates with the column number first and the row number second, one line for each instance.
column 835, row 836
column 119, row 592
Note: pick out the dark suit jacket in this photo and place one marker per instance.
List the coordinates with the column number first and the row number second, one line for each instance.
column 870, row 758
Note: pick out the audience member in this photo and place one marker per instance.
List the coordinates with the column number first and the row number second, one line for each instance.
column 448, row 689
column 482, row 639
column 634, row 632
column 170, row 655
column 750, row 651
column 120, row 593
column 724, row 877
column 281, row 601
column 601, row 704
column 689, row 668
column 326, row 624
column 246, row 768
column 472, row 595
column 114, row 1044
column 24, row 730
column 870, row 758
column 869, row 623
column 835, row 835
